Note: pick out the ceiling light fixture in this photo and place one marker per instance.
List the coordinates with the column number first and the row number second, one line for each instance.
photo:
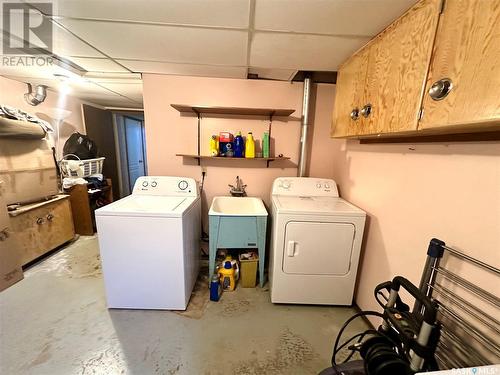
column 37, row 96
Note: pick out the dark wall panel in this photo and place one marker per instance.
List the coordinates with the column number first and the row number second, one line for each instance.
column 99, row 125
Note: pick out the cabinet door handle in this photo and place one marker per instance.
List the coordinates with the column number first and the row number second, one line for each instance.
column 40, row 220
column 440, row 89
column 290, row 250
column 50, row 217
column 366, row 110
column 355, row 114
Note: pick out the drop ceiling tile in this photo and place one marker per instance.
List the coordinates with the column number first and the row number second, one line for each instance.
column 226, row 13
column 338, row 17
column 66, row 45
column 163, row 43
column 45, row 71
column 63, row 42
column 130, row 90
column 113, row 77
column 84, row 90
column 98, row 65
column 185, row 69
column 302, row 52
column 277, row 74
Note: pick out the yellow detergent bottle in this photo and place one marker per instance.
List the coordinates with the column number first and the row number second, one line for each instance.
column 227, row 276
column 214, row 146
column 235, row 265
column 250, row 146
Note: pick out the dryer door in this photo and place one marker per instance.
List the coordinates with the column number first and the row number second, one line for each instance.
column 318, row 248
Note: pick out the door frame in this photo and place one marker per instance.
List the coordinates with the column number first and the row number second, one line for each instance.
column 143, row 141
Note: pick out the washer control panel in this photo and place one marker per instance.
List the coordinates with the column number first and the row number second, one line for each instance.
column 305, row 186
column 166, row 186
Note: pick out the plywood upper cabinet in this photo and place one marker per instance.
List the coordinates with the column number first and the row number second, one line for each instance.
column 467, row 52
column 386, row 79
column 397, row 67
column 349, row 95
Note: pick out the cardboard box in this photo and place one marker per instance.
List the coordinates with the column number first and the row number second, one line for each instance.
column 225, row 137
column 27, row 169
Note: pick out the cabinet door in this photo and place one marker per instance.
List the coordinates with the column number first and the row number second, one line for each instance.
column 397, row 68
column 43, row 229
column 349, row 94
column 467, row 51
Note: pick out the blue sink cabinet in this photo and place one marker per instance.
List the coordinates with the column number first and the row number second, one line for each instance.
column 237, row 232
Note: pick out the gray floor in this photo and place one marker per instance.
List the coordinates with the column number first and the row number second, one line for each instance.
column 55, row 321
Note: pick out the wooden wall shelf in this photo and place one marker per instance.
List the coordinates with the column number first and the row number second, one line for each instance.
column 206, row 157
column 199, row 109
column 230, row 158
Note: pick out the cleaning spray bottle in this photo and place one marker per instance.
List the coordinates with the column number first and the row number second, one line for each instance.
column 250, row 146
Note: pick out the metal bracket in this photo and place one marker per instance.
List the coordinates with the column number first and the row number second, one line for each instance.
column 199, row 136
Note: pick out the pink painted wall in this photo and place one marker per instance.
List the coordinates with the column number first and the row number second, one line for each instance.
column 414, row 192
column 320, row 163
column 12, row 94
column 411, row 192
column 168, row 132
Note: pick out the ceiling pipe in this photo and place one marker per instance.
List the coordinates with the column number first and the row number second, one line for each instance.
column 37, row 97
column 305, row 125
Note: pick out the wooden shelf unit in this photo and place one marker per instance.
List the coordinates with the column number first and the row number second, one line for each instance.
column 265, row 112
column 206, row 157
column 198, row 110
column 83, row 206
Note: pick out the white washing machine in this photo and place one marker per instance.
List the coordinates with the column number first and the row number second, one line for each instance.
column 315, row 243
column 149, row 244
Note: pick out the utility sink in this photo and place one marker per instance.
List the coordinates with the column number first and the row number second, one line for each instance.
column 237, row 206
column 237, row 223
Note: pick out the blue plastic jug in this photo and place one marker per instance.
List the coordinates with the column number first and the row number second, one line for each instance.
column 239, row 146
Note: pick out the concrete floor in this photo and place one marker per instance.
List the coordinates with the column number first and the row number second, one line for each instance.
column 55, row 321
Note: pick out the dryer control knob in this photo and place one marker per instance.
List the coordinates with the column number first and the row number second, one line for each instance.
column 327, row 186
column 286, row 184
column 145, row 183
column 183, row 185
column 318, row 185
column 154, row 184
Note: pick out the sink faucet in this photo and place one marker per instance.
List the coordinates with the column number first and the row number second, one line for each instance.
column 239, row 190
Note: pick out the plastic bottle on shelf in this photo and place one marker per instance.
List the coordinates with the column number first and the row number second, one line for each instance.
column 265, row 145
column 250, row 146
column 239, row 146
column 214, row 146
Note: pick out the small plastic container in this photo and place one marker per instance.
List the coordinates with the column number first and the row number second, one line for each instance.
column 239, row 146
column 248, row 270
column 215, row 288
column 265, row 145
column 250, row 146
column 227, row 277
column 214, row 146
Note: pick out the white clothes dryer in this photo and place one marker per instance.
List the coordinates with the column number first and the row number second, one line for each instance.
column 315, row 244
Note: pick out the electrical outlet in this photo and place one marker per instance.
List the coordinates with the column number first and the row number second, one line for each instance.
column 204, row 170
